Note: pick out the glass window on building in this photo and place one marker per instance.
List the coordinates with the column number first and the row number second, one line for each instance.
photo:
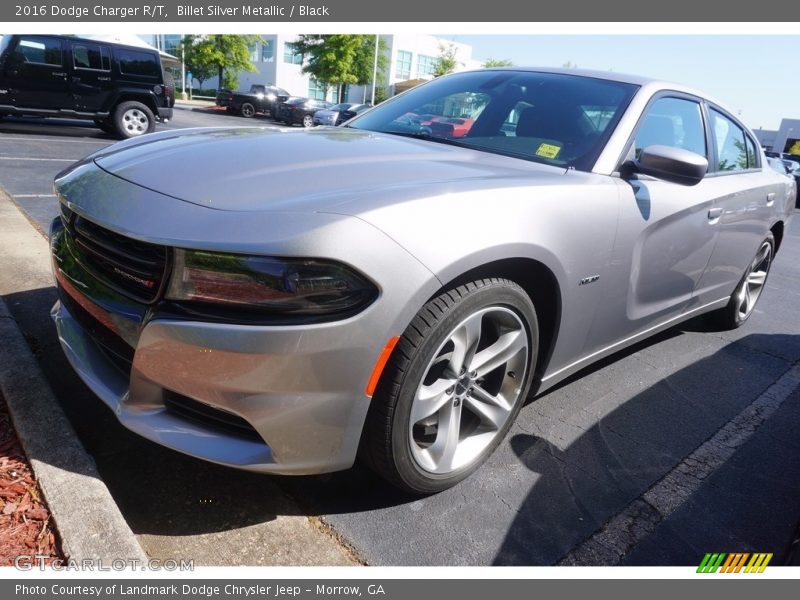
column 171, row 43
column 404, row 64
column 316, row 90
column 253, row 49
column 426, row 65
column 290, row 56
column 268, row 51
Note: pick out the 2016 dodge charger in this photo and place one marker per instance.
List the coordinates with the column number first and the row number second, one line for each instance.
column 401, row 303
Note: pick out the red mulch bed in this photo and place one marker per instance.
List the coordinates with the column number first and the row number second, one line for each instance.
column 25, row 526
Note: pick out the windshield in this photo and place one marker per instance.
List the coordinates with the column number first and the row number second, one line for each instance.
column 342, row 106
column 552, row 118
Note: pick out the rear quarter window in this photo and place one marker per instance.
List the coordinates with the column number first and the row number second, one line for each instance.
column 143, row 64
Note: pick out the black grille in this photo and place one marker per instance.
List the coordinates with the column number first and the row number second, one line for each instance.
column 135, row 269
column 208, row 415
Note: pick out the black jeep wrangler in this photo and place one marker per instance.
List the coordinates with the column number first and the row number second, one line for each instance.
column 123, row 89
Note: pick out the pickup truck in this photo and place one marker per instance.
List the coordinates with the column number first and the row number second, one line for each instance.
column 260, row 99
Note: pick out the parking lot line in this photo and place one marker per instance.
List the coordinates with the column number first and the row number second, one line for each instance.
column 639, row 519
column 69, row 160
column 52, row 139
column 34, row 195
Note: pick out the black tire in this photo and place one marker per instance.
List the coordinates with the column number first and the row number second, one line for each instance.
column 308, row 121
column 735, row 314
column 389, row 434
column 105, row 126
column 247, row 110
column 132, row 119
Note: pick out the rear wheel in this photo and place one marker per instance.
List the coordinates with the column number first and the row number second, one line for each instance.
column 453, row 386
column 743, row 300
column 132, row 119
column 247, row 110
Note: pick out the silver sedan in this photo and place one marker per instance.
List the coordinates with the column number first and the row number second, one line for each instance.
column 459, row 248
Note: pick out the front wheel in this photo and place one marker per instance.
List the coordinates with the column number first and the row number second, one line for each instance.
column 453, row 386
column 308, row 121
column 743, row 300
column 247, row 110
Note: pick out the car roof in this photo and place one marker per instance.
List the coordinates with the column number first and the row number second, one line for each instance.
column 650, row 83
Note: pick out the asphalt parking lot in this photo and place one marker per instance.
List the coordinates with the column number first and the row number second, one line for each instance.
column 679, row 446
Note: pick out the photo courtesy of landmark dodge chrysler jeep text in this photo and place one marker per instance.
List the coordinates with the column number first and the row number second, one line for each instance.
column 402, row 303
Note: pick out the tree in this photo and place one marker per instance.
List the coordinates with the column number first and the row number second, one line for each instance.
column 497, row 62
column 223, row 54
column 193, row 50
column 570, row 65
column 446, row 62
column 340, row 59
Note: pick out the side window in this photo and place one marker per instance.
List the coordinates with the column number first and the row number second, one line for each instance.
column 752, row 153
column 39, row 51
column 735, row 151
column 132, row 62
column 675, row 122
column 89, row 56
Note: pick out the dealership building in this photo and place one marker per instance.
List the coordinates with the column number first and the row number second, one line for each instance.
column 785, row 139
column 411, row 59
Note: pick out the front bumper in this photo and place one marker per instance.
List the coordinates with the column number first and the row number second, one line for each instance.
column 299, row 388
column 296, row 390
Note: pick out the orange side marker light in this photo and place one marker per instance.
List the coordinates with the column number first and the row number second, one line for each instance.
column 379, row 366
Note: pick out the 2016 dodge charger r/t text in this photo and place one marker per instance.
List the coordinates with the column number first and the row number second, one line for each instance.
column 402, row 303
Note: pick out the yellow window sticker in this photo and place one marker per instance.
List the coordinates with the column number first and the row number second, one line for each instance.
column 547, row 150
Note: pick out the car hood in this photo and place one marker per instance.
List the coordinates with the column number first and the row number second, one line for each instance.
column 326, row 112
column 246, row 169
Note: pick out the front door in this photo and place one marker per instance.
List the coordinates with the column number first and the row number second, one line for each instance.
column 665, row 236
column 36, row 74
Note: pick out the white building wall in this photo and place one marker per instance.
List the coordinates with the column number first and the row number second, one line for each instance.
column 423, row 50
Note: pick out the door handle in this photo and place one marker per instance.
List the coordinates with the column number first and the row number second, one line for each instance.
column 104, row 79
column 58, row 74
column 714, row 213
column 770, row 198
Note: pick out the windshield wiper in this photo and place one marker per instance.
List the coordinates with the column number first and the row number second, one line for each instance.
column 422, row 135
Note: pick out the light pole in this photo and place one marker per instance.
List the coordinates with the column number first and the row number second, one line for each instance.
column 183, row 73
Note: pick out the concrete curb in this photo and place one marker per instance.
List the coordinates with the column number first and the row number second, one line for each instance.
column 88, row 520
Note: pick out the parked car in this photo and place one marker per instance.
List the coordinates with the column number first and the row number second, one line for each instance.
column 123, row 89
column 300, row 111
column 223, row 97
column 402, row 303
column 330, row 116
column 348, row 114
column 793, row 170
column 260, row 99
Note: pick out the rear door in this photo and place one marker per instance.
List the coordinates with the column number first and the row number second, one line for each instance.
column 744, row 201
column 36, row 74
column 92, row 83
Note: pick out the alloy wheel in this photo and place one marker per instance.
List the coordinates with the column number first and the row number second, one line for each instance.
column 135, row 122
column 469, row 390
column 753, row 282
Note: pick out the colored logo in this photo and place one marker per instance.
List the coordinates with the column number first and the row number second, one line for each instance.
column 734, row 563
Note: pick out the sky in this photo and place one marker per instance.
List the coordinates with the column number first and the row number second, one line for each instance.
column 756, row 77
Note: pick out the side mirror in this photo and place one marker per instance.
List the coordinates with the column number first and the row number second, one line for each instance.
column 672, row 164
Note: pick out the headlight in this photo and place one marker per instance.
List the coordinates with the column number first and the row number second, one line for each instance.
column 277, row 285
